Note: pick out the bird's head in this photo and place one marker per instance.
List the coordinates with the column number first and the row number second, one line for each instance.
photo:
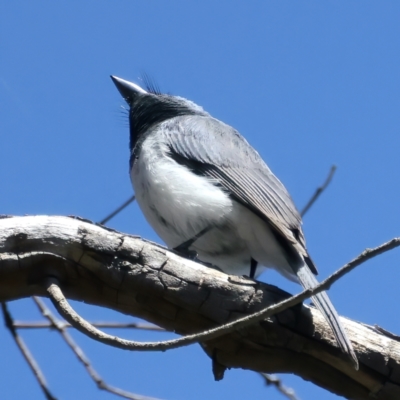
column 150, row 107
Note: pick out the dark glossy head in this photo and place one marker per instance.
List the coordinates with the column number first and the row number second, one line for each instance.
column 149, row 107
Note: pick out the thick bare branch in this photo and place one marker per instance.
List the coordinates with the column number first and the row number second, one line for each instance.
column 65, row 309
column 125, row 273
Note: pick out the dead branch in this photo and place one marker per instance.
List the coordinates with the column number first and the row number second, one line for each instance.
column 280, row 387
column 118, row 210
column 319, row 191
column 33, row 365
column 65, row 309
column 98, row 324
column 127, row 274
column 81, row 356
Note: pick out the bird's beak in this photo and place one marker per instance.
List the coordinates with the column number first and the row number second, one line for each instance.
column 127, row 89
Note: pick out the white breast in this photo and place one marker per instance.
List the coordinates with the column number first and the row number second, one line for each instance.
column 177, row 203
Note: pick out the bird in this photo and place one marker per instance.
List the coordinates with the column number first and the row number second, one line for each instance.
column 210, row 196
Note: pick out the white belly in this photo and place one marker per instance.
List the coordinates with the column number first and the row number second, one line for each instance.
column 186, row 203
column 178, row 204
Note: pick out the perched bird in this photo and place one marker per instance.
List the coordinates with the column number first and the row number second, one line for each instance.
column 208, row 193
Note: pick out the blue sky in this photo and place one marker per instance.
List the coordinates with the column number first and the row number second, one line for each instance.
column 309, row 84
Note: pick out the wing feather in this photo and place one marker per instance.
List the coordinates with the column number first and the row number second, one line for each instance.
column 211, row 148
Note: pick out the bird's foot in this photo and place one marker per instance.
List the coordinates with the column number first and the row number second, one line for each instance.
column 184, row 251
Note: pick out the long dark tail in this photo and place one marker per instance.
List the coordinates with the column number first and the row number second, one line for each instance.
column 321, row 300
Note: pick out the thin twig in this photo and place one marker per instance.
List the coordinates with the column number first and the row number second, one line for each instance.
column 81, row 355
column 8, row 320
column 118, row 210
column 319, row 191
column 63, row 307
column 275, row 381
column 115, row 325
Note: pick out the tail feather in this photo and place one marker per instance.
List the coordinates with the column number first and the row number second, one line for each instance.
column 323, row 303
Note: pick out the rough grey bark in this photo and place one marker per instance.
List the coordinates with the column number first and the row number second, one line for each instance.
column 104, row 267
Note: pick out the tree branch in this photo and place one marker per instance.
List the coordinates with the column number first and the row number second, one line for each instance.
column 280, row 387
column 319, row 191
column 83, row 359
column 125, row 273
column 34, row 366
column 65, row 309
column 98, row 324
column 118, row 210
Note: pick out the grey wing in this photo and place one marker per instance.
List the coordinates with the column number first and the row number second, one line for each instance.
column 211, row 148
